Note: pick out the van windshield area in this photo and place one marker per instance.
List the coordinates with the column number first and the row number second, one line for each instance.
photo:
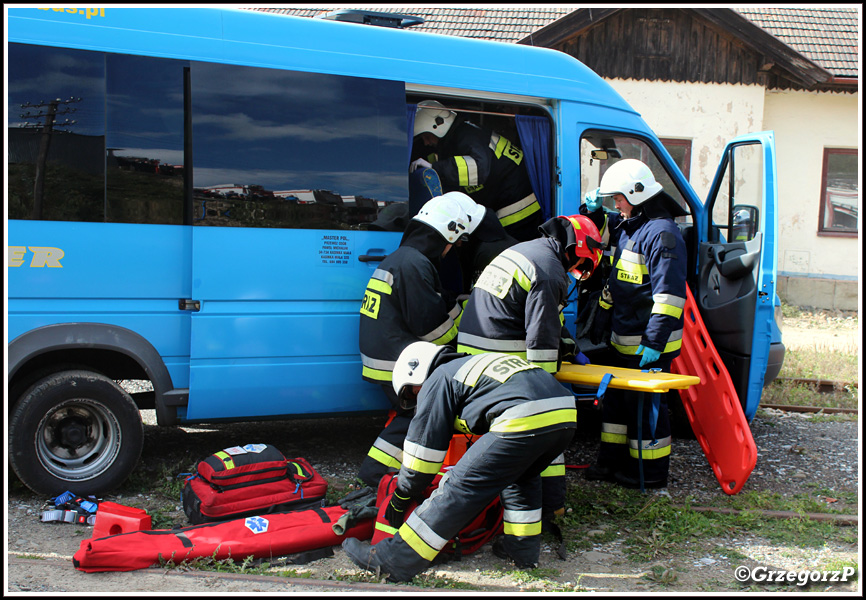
column 600, row 150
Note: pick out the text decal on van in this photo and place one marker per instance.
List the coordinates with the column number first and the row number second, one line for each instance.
column 43, row 256
column 335, row 250
column 87, row 12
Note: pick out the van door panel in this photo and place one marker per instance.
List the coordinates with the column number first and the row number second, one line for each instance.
column 277, row 332
column 736, row 271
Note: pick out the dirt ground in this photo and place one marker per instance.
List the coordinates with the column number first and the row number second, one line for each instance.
column 795, row 456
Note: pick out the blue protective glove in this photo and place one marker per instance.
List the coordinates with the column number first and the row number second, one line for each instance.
column 581, row 358
column 592, row 201
column 648, row 355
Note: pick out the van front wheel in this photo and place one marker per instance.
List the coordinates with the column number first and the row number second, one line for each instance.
column 74, row 431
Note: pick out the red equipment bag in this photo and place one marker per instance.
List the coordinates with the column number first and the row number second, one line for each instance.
column 261, row 536
column 251, row 480
column 477, row 532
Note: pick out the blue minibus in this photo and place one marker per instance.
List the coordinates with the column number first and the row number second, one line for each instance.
column 192, row 196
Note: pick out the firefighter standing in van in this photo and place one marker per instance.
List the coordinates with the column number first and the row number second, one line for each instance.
column 482, row 163
column 516, row 307
column 404, row 303
column 647, row 294
column 525, row 418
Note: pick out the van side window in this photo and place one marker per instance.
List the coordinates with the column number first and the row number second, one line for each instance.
column 738, row 199
column 56, row 128
column 145, row 140
column 276, row 148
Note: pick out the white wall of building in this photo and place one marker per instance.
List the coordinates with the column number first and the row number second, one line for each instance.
column 805, row 123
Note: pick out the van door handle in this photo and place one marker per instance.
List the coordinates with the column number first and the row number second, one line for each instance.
column 371, row 257
column 187, row 304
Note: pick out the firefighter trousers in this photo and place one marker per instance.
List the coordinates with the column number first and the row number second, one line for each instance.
column 621, row 450
column 386, row 453
column 506, row 466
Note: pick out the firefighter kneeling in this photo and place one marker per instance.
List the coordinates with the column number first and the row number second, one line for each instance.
column 525, row 417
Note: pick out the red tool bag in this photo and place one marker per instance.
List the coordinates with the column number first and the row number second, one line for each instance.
column 480, row 530
column 266, row 536
column 255, row 479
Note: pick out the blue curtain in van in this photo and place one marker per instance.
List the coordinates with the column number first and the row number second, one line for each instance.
column 534, row 135
column 410, row 121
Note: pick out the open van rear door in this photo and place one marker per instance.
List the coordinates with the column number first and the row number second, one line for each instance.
column 737, row 262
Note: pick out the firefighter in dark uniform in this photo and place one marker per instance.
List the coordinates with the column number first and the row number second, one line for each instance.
column 482, row 163
column 525, row 418
column 647, row 295
column 516, row 307
column 404, row 303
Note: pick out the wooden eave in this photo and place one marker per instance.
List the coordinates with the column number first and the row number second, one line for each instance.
column 799, row 68
column 774, row 52
column 571, row 25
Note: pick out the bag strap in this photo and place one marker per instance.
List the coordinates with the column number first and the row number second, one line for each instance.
column 298, row 472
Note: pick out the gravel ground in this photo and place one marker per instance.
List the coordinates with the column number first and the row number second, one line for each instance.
column 797, row 455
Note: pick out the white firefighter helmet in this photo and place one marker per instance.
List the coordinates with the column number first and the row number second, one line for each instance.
column 631, row 178
column 432, row 117
column 414, row 365
column 473, row 210
column 447, row 215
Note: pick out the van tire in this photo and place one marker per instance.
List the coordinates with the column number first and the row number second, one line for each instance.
column 77, row 431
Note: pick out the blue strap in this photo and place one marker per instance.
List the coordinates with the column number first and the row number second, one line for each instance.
column 654, row 415
column 602, row 387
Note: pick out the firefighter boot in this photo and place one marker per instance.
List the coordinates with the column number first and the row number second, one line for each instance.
column 364, row 556
column 597, row 472
column 634, row 483
column 498, row 549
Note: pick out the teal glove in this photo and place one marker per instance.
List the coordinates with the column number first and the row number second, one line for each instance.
column 592, row 201
column 648, row 355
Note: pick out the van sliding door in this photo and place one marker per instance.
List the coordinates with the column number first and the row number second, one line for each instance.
column 289, row 170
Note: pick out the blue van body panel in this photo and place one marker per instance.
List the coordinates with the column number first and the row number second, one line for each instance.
column 126, row 275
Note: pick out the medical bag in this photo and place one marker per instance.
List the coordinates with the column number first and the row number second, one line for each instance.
column 486, row 525
column 255, row 479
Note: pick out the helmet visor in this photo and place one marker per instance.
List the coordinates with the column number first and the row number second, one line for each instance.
column 583, row 269
column 609, row 198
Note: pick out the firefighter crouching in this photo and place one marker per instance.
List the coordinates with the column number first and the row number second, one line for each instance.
column 525, row 418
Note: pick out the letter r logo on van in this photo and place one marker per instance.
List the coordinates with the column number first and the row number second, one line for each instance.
column 43, row 256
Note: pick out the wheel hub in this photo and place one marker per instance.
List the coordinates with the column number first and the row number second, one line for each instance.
column 73, row 434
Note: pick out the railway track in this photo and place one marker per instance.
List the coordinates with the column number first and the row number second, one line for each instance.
column 825, row 386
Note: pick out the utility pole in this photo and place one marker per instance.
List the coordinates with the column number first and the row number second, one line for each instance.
column 48, row 113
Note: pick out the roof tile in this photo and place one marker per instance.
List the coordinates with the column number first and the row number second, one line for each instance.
column 827, row 36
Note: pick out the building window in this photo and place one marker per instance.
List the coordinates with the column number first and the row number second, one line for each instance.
column 681, row 152
column 840, row 197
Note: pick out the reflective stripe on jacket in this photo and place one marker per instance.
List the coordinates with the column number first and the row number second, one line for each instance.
column 491, row 169
column 493, row 392
column 402, row 304
column 516, row 305
column 648, row 286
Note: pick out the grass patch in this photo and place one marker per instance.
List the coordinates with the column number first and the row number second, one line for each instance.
column 653, row 527
column 808, row 363
column 805, row 363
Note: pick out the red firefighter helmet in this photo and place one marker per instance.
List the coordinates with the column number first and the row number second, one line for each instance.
column 587, row 246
